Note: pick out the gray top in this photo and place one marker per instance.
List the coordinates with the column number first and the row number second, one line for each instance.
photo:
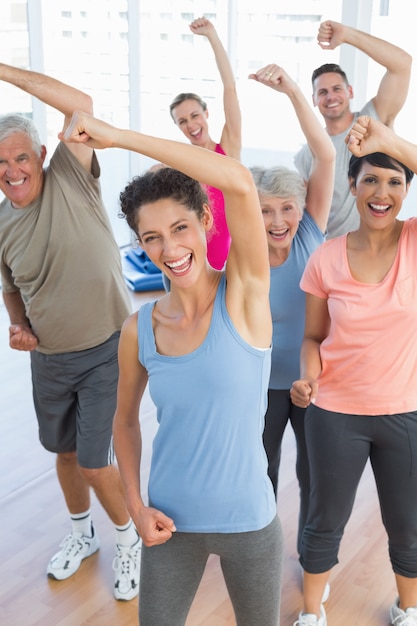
column 60, row 253
column 343, row 216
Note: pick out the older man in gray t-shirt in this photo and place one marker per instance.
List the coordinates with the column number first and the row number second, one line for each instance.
column 63, row 288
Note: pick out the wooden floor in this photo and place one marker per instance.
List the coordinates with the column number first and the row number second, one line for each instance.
column 34, row 520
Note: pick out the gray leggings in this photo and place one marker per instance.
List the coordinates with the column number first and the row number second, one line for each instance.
column 251, row 563
column 339, row 446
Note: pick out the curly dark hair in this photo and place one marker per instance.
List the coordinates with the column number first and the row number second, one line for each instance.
column 377, row 159
column 166, row 182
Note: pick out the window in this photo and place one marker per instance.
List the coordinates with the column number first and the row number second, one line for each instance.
column 136, row 86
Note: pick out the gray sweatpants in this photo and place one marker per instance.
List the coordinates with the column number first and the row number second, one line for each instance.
column 251, row 563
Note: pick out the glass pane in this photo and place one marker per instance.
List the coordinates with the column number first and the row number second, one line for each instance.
column 15, row 51
column 87, row 46
column 284, row 33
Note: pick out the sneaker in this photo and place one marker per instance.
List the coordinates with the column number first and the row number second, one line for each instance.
column 311, row 619
column 403, row 618
column 75, row 548
column 326, row 593
column 126, row 565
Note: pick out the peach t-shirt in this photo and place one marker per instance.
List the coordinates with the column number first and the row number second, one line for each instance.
column 369, row 358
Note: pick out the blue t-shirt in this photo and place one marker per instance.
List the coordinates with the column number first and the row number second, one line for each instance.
column 209, row 467
column 287, row 302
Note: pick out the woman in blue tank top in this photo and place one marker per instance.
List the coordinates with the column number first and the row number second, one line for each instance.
column 204, row 348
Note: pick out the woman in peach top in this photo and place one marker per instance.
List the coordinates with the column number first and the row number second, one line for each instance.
column 359, row 370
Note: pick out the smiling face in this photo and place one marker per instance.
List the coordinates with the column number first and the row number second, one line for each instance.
column 281, row 218
column 379, row 193
column 174, row 238
column 21, row 170
column 332, row 96
column 191, row 119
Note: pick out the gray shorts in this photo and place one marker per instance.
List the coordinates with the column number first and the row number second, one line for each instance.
column 75, row 399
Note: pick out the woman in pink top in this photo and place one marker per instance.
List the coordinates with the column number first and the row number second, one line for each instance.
column 190, row 114
column 359, row 370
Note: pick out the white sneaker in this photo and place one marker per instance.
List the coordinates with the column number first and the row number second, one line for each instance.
column 403, row 618
column 311, row 619
column 75, row 548
column 126, row 565
column 326, row 593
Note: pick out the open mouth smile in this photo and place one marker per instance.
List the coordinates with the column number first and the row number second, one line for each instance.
column 379, row 209
column 16, row 183
column 279, row 234
column 181, row 266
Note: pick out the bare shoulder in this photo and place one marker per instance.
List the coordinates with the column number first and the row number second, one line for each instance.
column 129, row 333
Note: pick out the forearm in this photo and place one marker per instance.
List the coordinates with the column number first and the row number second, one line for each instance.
column 304, row 390
column 210, row 168
column 21, row 335
column 310, row 361
column 317, row 138
column 52, row 92
column 388, row 55
column 222, row 60
column 231, row 135
column 15, row 308
column 128, row 449
column 368, row 135
column 402, row 150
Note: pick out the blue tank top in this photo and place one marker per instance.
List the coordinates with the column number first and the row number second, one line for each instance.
column 287, row 302
column 209, row 468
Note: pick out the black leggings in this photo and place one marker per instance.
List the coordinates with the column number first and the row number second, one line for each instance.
column 281, row 411
column 339, row 446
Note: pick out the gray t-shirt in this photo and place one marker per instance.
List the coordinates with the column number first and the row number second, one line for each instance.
column 343, row 216
column 60, row 253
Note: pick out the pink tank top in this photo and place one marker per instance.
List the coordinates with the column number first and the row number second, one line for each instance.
column 218, row 238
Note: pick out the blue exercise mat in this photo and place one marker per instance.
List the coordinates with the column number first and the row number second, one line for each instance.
column 140, row 273
column 141, row 261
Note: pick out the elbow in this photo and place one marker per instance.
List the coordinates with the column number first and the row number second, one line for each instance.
column 243, row 180
column 229, row 89
column 329, row 158
column 238, row 179
column 330, row 151
column 408, row 60
column 405, row 63
column 87, row 104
